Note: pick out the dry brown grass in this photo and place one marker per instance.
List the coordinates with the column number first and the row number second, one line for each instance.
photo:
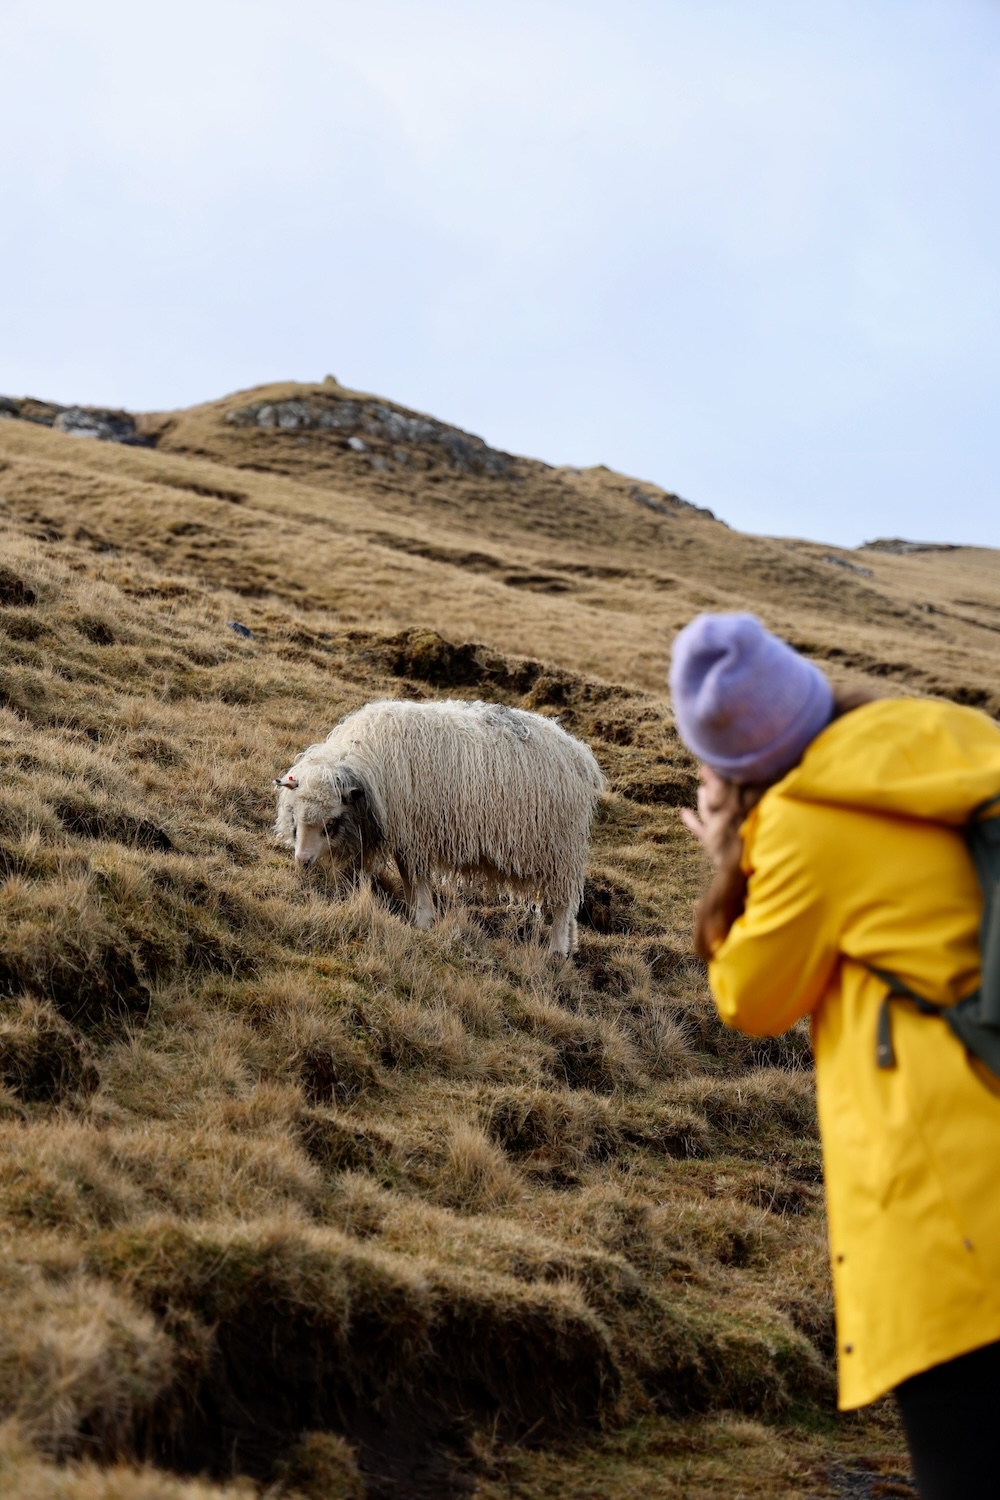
column 547, row 562
column 29, row 1476
column 291, row 1190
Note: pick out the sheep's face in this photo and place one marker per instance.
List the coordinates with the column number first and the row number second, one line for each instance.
column 327, row 831
column 314, row 833
column 323, row 815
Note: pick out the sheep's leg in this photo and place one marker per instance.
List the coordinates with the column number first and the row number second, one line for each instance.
column 561, row 934
column 404, row 876
column 423, row 914
column 574, row 935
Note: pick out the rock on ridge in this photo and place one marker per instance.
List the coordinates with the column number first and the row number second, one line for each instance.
column 902, row 548
column 357, row 420
column 77, row 421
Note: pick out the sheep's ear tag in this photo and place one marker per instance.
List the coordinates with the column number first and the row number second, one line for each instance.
column 289, row 781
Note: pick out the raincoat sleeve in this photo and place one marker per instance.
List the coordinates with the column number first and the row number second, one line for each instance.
column 780, row 955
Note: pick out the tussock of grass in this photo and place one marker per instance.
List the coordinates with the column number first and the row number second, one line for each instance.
column 474, row 1176
column 42, row 1058
column 764, row 1103
column 79, row 1357
column 703, row 1459
column 335, row 1322
column 552, row 1132
column 29, row 1476
column 322, row 1467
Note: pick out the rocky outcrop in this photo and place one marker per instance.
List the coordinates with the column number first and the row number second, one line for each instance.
column 845, row 562
column 902, row 548
column 76, row 421
column 664, row 503
column 364, row 423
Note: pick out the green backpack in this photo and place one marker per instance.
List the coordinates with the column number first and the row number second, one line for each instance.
column 975, row 1020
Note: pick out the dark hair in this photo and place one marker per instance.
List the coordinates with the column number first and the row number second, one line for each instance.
column 354, row 837
column 725, row 898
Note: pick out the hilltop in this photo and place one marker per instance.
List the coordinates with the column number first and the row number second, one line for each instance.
column 293, row 1195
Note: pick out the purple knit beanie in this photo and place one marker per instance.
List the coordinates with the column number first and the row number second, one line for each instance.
column 745, row 703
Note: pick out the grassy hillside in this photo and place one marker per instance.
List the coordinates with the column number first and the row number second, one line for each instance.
column 294, row 1197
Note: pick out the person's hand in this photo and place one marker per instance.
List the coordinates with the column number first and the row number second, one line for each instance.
column 716, row 824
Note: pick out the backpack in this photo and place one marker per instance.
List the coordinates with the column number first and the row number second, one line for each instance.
column 975, row 1020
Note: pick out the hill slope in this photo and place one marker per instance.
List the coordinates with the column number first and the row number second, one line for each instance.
column 263, row 493
column 290, row 1190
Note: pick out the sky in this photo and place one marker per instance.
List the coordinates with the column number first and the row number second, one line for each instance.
column 747, row 251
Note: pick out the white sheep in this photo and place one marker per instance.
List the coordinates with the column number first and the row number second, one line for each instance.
column 473, row 790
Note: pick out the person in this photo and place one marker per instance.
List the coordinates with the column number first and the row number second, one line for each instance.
column 835, row 825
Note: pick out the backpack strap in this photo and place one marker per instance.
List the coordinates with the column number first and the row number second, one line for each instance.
column 983, row 835
column 885, row 1053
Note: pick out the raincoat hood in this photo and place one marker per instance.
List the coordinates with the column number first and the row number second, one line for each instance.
column 908, row 757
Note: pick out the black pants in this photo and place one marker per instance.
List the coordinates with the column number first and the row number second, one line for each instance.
column 951, row 1415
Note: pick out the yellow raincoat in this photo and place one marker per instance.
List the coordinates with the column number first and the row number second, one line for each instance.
column 856, row 855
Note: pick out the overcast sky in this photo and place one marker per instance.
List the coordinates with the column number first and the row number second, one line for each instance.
column 748, row 249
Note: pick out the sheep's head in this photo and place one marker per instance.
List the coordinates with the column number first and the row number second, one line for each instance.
column 324, row 815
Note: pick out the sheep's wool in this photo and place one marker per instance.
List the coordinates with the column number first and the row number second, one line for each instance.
column 468, row 789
